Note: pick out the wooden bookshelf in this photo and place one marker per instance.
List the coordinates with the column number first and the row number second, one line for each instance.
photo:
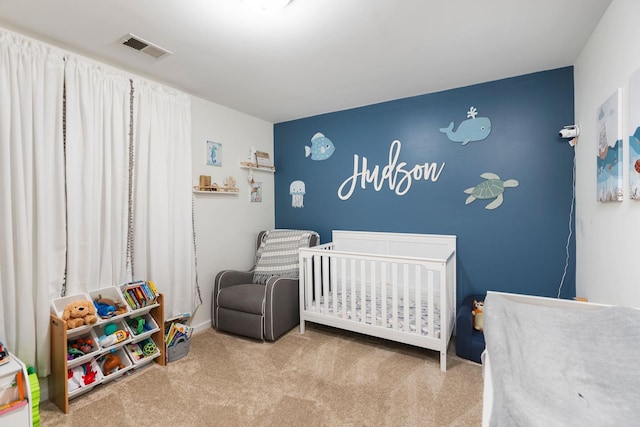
column 58, row 382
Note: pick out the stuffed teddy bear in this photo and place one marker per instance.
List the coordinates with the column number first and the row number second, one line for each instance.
column 478, row 315
column 78, row 313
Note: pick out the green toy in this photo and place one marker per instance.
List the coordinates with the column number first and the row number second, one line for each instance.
column 149, row 348
column 110, row 328
column 137, row 325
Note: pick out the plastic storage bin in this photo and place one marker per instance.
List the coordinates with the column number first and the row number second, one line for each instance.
column 82, row 348
column 142, row 326
column 113, row 295
column 59, row 304
column 142, row 351
column 104, row 339
column 83, row 378
column 114, row 364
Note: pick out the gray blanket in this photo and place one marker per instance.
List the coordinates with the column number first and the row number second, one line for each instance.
column 563, row 367
column 278, row 253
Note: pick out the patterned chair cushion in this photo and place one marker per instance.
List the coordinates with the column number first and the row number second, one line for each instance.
column 278, row 254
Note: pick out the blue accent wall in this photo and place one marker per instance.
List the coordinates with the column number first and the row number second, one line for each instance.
column 518, row 247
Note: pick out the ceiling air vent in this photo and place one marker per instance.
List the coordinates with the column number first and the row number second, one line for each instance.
column 144, row 46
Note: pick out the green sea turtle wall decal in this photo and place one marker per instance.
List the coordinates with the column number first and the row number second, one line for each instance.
column 492, row 188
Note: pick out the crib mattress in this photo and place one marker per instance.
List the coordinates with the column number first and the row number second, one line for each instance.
column 327, row 306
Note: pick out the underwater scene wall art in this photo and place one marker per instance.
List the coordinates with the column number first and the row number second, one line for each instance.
column 609, row 150
column 634, row 138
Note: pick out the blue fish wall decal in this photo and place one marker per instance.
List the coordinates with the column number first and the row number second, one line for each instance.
column 321, row 147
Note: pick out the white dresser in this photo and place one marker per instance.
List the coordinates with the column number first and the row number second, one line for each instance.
column 15, row 394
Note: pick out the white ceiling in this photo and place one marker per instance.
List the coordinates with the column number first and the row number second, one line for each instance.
column 316, row 56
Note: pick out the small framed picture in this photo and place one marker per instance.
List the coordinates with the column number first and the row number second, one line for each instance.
column 263, row 159
column 256, row 192
column 213, row 153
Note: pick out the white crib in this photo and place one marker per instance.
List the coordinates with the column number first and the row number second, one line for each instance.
column 396, row 286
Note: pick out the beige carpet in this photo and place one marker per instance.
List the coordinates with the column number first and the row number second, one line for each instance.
column 320, row 378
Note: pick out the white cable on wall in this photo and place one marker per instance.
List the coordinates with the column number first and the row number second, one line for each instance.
column 573, row 202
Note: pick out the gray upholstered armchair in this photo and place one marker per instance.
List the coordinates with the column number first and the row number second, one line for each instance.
column 262, row 303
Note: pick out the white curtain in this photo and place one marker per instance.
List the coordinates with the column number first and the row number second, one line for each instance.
column 104, row 207
column 163, row 244
column 32, row 212
column 97, row 164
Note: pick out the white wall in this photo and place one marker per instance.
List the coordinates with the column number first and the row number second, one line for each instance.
column 607, row 234
column 227, row 225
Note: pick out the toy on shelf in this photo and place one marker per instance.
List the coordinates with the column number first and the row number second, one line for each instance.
column 138, row 325
column 112, row 335
column 83, row 344
column 230, row 182
column 143, row 349
column 149, row 348
column 136, row 351
column 205, row 181
column 79, row 313
column 107, row 308
column 79, row 347
column 110, row 328
column 74, row 378
column 81, row 376
column 89, row 374
column 112, row 363
column 73, row 353
column 228, row 186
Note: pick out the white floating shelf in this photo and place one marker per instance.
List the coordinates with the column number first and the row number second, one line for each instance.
column 217, row 192
column 253, row 166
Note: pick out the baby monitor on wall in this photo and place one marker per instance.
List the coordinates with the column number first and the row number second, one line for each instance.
column 570, row 131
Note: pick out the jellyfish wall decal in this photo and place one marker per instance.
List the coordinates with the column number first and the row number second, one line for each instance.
column 297, row 191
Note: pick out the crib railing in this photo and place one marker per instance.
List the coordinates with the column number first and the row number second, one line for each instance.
column 346, row 286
